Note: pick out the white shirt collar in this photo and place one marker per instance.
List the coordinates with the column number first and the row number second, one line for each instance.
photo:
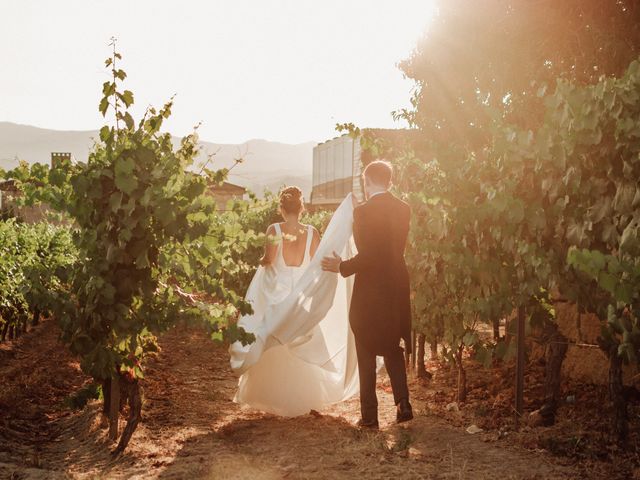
column 377, row 193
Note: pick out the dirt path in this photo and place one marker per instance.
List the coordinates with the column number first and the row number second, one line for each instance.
column 192, row 429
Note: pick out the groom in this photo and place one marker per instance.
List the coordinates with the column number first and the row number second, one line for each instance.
column 380, row 313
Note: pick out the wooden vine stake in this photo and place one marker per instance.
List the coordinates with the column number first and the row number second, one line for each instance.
column 114, row 407
column 520, row 355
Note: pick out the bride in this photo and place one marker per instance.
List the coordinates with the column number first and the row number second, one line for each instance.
column 303, row 357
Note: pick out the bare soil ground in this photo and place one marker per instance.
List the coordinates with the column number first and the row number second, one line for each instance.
column 192, row 429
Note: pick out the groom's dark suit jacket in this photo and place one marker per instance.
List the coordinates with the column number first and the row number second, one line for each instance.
column 380, row 313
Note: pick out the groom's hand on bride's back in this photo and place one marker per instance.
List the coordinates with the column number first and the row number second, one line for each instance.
column 332, row 263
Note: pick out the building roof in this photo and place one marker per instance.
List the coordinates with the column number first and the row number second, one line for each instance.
column 228, row 187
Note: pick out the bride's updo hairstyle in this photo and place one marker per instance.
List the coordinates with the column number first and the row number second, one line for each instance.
column 291, row 201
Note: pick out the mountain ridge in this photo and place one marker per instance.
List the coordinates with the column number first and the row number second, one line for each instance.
column 266, row 164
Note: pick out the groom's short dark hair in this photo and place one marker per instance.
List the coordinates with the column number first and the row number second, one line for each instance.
column 379, row 172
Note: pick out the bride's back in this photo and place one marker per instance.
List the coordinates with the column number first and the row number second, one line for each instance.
column 291, row 242
column 294, row 243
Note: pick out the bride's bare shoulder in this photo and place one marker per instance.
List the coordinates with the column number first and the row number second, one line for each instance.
column 314, row 231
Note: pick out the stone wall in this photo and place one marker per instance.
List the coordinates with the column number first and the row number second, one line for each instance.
column 28, row 214
column 585, row 361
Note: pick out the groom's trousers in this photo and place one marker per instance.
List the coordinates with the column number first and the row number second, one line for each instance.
column 367, row 368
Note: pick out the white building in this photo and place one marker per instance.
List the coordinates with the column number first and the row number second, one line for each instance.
column 336, row 171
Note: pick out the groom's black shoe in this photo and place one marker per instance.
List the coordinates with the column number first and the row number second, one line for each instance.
column 404, row 412
column 368, row 424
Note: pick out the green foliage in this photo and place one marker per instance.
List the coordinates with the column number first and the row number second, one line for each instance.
column 34, row 267
column 241, row 232
column 151, row 248
column 620, row 279
column 555, row 209
column 510, row 175
column 492, row 229
column 319, row 220
column 591, row 141
column 154, row 250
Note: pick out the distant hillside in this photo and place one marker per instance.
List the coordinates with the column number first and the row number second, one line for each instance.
column 266, row 165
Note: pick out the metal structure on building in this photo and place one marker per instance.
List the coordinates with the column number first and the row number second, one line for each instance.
column 336, row 172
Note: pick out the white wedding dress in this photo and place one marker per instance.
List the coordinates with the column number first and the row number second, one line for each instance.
column 304, row 356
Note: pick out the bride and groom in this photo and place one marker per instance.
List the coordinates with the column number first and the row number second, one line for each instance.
column 306, row 355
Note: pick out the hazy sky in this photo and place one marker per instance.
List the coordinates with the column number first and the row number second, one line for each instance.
column 284, row 70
